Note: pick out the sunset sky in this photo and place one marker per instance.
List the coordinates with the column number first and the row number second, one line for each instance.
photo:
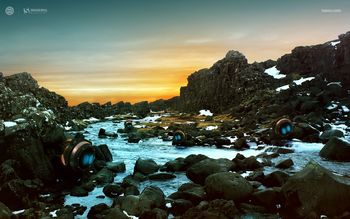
column 144, row 50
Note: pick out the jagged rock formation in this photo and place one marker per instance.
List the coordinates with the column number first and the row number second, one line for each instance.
column 224, row 85
column 331, row 60
column 232, row 84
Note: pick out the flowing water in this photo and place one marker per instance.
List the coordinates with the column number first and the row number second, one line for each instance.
column 161, row 152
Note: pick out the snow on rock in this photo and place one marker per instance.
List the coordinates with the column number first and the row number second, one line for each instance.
column 152, row 118
column 211, row 127
column 332, row 106
column 297, row 82
column 18, row 212
column 53, row 213
column 302, row 80
column 20, row 120
column 274, row 72
column 334, row 43
column 91, row 119
column 8, row 124
column 204, row 112
column 130, row 216
column 334, row 82
column 345, row 109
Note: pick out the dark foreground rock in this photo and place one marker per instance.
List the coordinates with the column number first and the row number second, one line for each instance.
column 336, row 149
column 227, row 185
column 199, row 171
column 316, row 191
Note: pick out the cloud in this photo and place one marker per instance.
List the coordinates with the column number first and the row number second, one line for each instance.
column 199, row 41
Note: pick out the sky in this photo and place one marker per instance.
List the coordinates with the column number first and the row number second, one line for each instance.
column 136, row 50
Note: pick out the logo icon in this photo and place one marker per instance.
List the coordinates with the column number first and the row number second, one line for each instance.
column 26, row 10
column 9, row 10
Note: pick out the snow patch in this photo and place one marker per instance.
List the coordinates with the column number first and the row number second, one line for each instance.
column 345, row 109
column 18, row 212
column 204, row 112
column 151, row 118
column 211, row 127
column 53, row 213
column 91, row 119
column 274, row 72
column 8, row 124
column 130, row 216
column 332, row 107
column 168, row 205
column 297, row 82
column 335, row 43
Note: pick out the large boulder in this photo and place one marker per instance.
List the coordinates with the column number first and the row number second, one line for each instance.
column 218, row 208
column 336, row 149
column 146, row 166
column 316, row 191
column 199, row 171
column 227, row 185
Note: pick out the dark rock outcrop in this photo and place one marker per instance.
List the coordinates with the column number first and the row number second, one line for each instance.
column 316, row 191
column 336, row 149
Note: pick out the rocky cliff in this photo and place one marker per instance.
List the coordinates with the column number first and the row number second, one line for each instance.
column 231, row 81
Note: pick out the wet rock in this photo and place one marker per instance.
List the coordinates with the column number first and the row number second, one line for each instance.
column 227, row 185
column 275, row 179
column 193, row 159
column 175, row 165
column 131, row 190
column 199, row 171
column 104, row 176
column 191, row 192
column 280, row 150
column 155, row 213
column 130, row 181
column 114, row 213
column 18, row 194
column 7, row 170
column 113, row 190
column 103, row 153
column 116, row 167
column 316, row 190
column 79, row 192
column 284, row 164
column 328, row 134
column 134, row 137
column 146, row 166
column 268, row 198
column 150, row 198
column 5, row 212
column 336, row 149
column 97, row 211
column 221, row 141
column 240, row 144
column 218, row 208
column 161, row 176
column 103, row 134
column 244, row 164
column 180, row 206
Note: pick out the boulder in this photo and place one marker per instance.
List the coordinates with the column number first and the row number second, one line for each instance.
column 268, row 198
column 336, row 149
column 316, row 191
column 284, row 164
column 161, row 176
column 155, row 213
column 113, row 190
column 199, row 171
column 116, row 167
column 328, row 134
column 275, row 179
column 175, row 165
column 5, row 212
column 218, row 208
column 227, row 185
column 146, row 166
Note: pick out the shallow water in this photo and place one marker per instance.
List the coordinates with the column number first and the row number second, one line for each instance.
column 161, row 152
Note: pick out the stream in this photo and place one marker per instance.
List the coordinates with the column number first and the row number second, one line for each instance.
column 162, row 151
